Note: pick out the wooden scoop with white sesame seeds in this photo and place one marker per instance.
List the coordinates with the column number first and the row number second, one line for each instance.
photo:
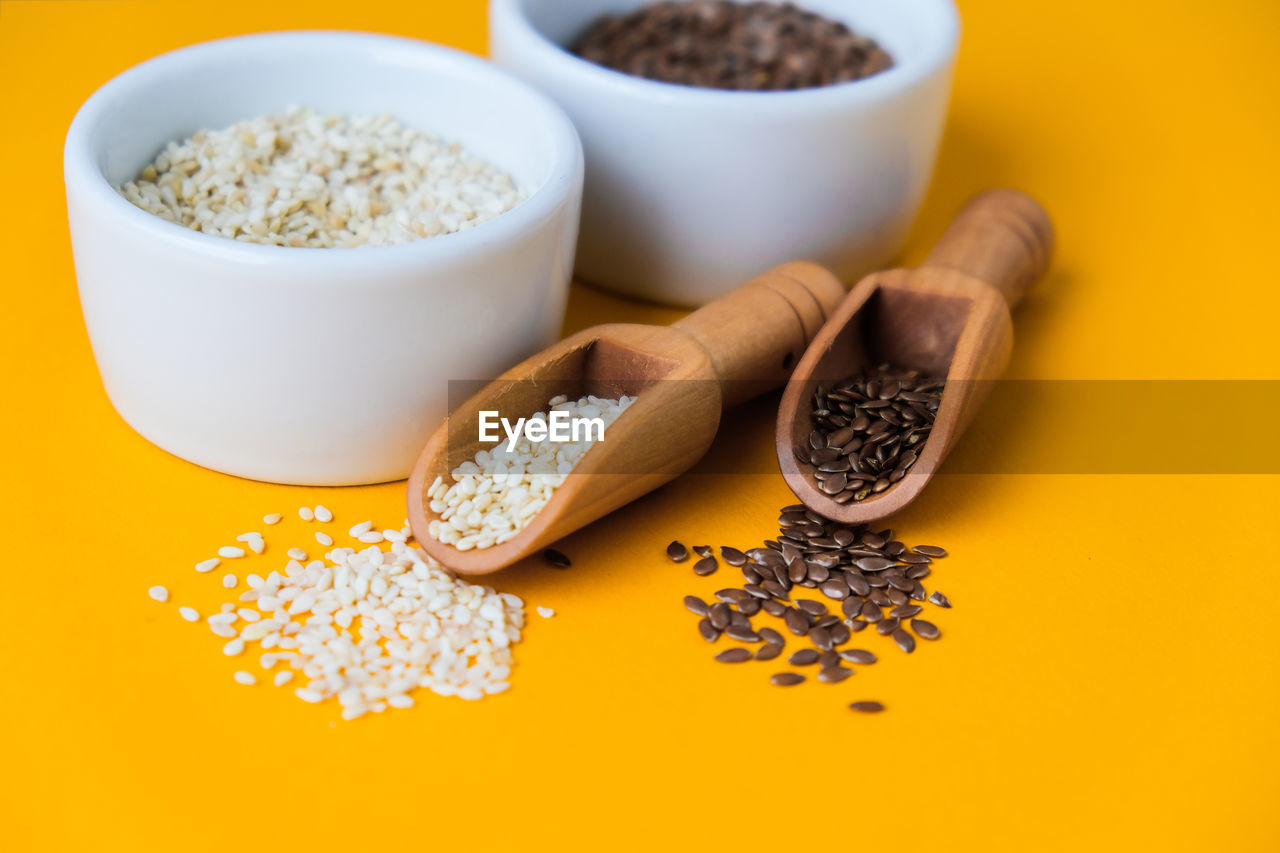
column 947, row 319
column 682, row 376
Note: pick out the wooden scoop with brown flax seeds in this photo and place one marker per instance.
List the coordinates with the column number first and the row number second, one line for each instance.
column 861, row 572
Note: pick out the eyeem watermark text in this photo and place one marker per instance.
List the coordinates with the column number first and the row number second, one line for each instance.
column 559, row 427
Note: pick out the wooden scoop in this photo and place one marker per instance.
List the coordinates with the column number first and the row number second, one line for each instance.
column 950, row 317
column 682, row 375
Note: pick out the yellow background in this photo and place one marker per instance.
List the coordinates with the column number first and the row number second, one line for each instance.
column 1108, row 679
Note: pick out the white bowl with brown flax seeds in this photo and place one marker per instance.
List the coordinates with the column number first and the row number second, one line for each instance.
column 694, row 189
column 287, row 244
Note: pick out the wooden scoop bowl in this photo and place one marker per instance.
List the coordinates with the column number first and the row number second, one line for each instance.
column 682, row 375
column 950, row 317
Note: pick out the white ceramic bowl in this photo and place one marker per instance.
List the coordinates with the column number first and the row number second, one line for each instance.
column 314, row 366
column 692, row 191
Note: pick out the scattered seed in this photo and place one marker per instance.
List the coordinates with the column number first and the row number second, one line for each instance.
column 703, row 550
column 207, row 565
column 676, row 552
column 888, row 626
column 158, row 593
column 939, row 599
column 840, row 633
column 324, row 538
column 925, row 629
column 705, row 566
column 866, row 707
column 796, row 622
column 858, row 656
column 904, row 640
column 709, row 632
column 272, row 518
column 189, row 613
column 732, row 556
column 696, row 605
column 930, row 551
column 245, row 678
column 742, row 634
column 230, row 552
column 306, row 513
column 229, row 581
column 786, row 679
column 322, row 513
column 771, row 636
column 803, row 657
column 557, row 559
column 834, row 674
column 545, row 612
column 734, row 656
column 768, row 651
column 905, row 611
column 813, row 608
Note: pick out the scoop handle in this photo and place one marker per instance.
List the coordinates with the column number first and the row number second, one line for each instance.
column 756, row 334
column 1003, row 237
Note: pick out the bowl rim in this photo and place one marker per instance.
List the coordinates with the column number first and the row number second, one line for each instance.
column 86, row 181
column 902, row 75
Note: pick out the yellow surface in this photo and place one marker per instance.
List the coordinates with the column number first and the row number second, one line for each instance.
column 1108, row 679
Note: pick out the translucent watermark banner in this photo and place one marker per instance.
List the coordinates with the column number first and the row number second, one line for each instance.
column 1130, row 426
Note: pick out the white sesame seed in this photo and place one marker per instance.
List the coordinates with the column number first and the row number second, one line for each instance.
column 189, row 613
column 297, row 554
column 370, row 537
column 357, row 529
column 546, row 612
column 324, row 539
column 365, row 180
column 323, row 513
column 306, row 513
column 371, row 625
column 496, row 494
column 158, row 593
column 230, row 552
column 229, row 581
column 207, row 565
column 272, row 518
column 245, row 678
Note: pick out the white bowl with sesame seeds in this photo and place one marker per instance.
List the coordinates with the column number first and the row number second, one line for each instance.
column 691, row 191
column 323, row 366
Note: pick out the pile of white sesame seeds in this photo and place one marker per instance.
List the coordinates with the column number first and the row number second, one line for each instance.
column 492, row 498
column 368, row 626
column 302, row 179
